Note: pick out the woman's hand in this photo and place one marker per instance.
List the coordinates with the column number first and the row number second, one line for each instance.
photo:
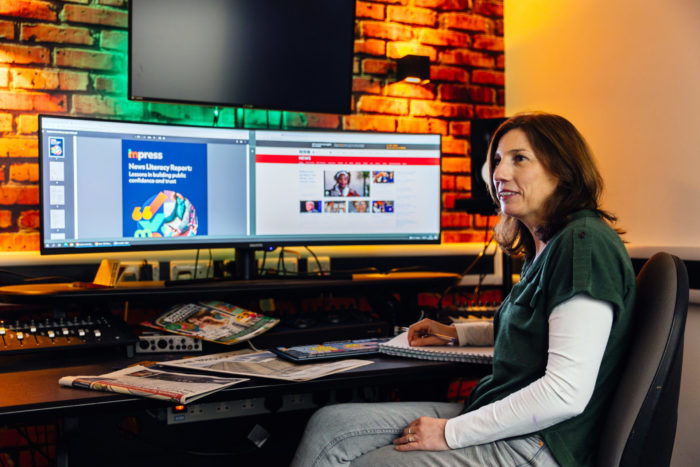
column 423, row 434
column 429, row 332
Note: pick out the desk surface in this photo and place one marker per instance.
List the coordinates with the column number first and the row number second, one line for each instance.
column 30, row 387
column 23, row 293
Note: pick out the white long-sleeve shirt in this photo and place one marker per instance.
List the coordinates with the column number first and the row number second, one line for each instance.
column 578, row 334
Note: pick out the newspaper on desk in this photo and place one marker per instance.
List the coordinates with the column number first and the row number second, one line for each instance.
column 264, row 364
column 213, row 321
column 139, row 380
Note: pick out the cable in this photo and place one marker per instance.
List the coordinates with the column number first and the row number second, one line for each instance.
column 262, row 263
column 318, row 263
column 196, row 265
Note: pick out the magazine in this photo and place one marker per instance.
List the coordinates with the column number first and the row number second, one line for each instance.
column 264, row 364
column 152, row 382
column 213, row 321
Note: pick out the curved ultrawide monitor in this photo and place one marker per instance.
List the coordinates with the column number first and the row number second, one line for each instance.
column 115, row 185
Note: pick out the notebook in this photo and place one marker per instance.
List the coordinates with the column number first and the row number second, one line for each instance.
column 398, row 346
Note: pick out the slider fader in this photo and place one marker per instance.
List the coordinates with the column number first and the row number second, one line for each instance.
column 41, row 331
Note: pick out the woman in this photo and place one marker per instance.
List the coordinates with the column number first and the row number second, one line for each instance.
column 560, row 335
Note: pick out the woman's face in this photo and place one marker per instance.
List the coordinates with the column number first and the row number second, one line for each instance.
column 342, row 180
column 521, row 181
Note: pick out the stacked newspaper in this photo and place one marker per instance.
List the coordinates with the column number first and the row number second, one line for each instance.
column 138, row 380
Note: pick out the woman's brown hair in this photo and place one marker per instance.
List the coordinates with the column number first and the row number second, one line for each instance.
column 563, row 151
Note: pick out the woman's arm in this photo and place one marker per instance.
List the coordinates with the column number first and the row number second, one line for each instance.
column 578, row 334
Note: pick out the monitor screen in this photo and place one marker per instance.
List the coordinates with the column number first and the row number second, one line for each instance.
column 268, row 54
column 114, row 185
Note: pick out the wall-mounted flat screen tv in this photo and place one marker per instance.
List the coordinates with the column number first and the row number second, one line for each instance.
column 268, row 54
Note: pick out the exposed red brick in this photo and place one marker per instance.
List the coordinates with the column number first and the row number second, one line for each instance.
column 24, row 54
column 448, row 200
column 415, row 16
column 16, row 101
column 501, row 62
column 408, row 90
column 448, row 182
column 22, row 241
column 49, row 103
column 383, row 105
column 34, row 78
column 444, row 4
column 17, row 147
column 5, row 219
column 108, row 83
column 499, row 27
column 489, row 7
column 28, row 219
column 464, row 183
column 389, row 31
column 78, row 58
column 27, row 9
column 7, row 30
column 95, row 15
column 369, row 123
column 321, row 120
column 462, row 128
column 484, row 222
column 6, row 122
column 421, row 125
column 378, row 67
column 398, row 49
column 89, row 105
column 466, row 22
column 53, row 33
column 73, row 80
column 114, row 40
column 455, row 219
column 441, row 109
column 4, row 76
column 456, row 146
column 443, row 38
column 497, row 78
column 447, row 73
column 455, row 165
column 490, row 111
column 19, row 194
column 26, row 172
column 370, row 47
column 27, row 124
column 393, row 2
column 366, row 85
column 467, row 58
column 459, row 93
column 115, row 3
column 462, row 237
column 488, row 42
column 369, row 10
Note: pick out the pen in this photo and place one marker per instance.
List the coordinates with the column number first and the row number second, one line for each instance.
column 436, row 334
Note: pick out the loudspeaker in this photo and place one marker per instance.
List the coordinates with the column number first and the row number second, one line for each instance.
column 480, row 202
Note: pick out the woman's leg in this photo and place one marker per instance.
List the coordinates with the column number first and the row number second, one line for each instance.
column 524, row 451
column 337, row 434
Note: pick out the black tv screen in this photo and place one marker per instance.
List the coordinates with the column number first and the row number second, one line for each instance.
column 267, row 54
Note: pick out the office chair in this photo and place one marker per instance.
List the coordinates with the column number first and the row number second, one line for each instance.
column 641, row 426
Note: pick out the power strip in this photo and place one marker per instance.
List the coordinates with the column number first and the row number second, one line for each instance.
column 157, row 343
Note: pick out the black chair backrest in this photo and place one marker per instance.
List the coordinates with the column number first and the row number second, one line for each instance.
column 641, row 425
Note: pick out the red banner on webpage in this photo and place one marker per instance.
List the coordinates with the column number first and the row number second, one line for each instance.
column 362, row 160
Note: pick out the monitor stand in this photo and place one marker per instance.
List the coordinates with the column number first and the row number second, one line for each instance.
column 246, row 267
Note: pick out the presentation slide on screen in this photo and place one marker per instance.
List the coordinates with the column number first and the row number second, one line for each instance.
column 164, row 189
column 327, row 191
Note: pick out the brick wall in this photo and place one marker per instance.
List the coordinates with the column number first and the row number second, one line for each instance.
column 70, row 57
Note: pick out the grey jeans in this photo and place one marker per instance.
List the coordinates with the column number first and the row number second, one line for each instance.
column 362, row 435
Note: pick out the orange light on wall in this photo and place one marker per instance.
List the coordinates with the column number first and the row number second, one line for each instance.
column 413, row 69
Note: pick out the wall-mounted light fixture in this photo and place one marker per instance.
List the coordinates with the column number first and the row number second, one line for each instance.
column 413, row 69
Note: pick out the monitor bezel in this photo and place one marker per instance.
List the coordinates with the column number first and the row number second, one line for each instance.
column 258, row 243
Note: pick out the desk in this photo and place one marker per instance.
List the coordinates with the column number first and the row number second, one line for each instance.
column 30, row 393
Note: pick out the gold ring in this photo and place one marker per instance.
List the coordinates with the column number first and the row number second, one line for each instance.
column 410, row 438
column 409, row 431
